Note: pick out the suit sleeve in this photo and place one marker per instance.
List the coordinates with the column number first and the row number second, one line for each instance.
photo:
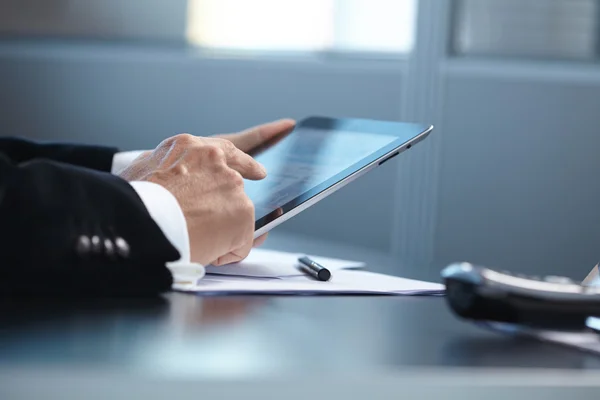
column 66, row 230
column 93, row 157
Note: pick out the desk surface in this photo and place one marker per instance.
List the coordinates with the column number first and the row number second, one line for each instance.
column 181, row 336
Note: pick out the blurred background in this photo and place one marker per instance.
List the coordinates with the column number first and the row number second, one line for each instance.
column 508, row 179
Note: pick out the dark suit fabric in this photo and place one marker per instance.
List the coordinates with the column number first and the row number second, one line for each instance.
column 53, row 197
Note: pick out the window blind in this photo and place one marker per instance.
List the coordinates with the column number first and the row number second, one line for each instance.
column 559, row 29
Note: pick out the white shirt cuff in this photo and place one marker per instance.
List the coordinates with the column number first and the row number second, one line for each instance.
column 123, row 159
column 166, row 212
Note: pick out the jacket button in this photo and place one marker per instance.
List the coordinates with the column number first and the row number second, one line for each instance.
column 83, row 245
column 96, row 245
column 109, row 248
column 122, row 247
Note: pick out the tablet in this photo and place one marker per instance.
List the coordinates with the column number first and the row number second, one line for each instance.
column 319, row 157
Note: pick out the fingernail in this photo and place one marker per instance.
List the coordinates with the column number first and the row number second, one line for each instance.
column 264, row 170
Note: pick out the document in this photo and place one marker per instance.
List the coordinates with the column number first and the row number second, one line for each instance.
column 274, row 272
column 277, row 264
column 342, row 282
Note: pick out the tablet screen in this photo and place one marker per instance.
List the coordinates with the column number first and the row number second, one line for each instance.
column 313, row 157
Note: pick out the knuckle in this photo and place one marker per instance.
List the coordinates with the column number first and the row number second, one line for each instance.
column 248, row 207
column 184, row 139
column 235, row 179
column 180, row 169
column 213, row 153
column 227, row 145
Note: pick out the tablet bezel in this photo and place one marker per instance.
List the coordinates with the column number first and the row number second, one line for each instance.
column 315, row 194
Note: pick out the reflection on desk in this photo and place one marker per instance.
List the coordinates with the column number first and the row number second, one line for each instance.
column 184, row 335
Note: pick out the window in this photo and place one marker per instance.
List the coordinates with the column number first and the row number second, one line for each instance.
column 314, row 25
column 274, row 25
column 561, row 29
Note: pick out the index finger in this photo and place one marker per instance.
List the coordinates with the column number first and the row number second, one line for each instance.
column 262, row 136
column 247, row 166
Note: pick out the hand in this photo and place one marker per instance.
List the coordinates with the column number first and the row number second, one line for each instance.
column 255, row 139
column 206, row 176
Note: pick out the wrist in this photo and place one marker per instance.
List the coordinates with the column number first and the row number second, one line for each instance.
column 164, row 208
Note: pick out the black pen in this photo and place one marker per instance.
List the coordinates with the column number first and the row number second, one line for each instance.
column 314, row 269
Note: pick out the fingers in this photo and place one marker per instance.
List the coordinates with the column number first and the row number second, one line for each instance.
column 229, row 258
column 236, row 159
column 259, row 241
column 242, row 253
column 235, row 256
column 255, row 137
column 245, row 225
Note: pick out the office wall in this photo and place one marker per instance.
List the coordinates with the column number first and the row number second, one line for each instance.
column 134, row 97
column 519, row 183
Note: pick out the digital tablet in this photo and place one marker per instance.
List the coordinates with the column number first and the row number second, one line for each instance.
column 319, row 157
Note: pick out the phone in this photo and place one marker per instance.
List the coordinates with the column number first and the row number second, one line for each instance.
column 551, row 302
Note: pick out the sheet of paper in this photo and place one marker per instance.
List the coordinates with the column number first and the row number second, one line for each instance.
column 593, row 278
column 342, row 282
column 276, row 264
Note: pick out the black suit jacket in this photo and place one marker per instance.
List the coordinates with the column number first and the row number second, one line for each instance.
column 68, row 227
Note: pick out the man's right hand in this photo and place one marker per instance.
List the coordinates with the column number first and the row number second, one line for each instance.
column 206, row 175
